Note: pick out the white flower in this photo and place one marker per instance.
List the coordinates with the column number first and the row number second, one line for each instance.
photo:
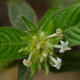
column 63, row 46
column 57, row 62
column 27, row 63
column 58, row 33
column 52, row 35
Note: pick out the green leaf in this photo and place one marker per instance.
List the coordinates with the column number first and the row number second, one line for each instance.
column 33, row 68
column 18, row 7
column 11, row 43
column 48, row 28
column 39, row 67
column 46, row 67
column 21, row 74
column 30, row 25
column 69, row 21
column 55, row 41
column 26, row 38
column 71, row 62
column 47, row 17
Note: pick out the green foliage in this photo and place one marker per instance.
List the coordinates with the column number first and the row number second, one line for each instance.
column 55, row 41
column 48, row 28
column 27, row 38
column 39, row 67
column 69, row 21
column 10, row 43
column 46, row 67
column 18, row 7
column 45, row 20
column 28, row 23
column 33, row 68
column 21, row 74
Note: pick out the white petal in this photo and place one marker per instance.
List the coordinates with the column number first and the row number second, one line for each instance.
column 25, row 62
column 58, row 67
column 59, row 60
column 62, row 42
column 54, row 65
column 68, row 48
column 61, row 51
column 66, row 43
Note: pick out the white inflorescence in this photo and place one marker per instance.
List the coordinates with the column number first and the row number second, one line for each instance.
column 57, row 62
column 42, row 46
column 63, row 46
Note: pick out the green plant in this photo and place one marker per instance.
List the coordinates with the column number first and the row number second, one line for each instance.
column 35, row 43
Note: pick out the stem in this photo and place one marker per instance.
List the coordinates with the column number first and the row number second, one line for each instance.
column 29, row 75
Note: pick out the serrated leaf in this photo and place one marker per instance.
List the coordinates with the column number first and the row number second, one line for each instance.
column 30, row 25
column 46, row 17
column 11, row 43
column 21, row 74
column 71, row 62
column 69, row 21
column 18, row 7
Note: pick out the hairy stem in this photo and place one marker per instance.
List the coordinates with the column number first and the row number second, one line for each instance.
column 29, row 75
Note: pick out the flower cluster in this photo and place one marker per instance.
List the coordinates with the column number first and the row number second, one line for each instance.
column 40, row 49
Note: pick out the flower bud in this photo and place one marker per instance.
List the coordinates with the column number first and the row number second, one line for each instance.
column 27, row 63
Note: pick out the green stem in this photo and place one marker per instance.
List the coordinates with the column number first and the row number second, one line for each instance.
column 29, row 75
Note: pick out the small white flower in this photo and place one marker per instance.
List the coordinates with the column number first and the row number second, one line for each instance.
column 58, row 33
column 63, row 46
column 52, row 35
column 57, row 62
column 27, row 63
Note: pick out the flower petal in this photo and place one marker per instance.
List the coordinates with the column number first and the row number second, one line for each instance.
column 66, row 43
column 62, row 42
column 68, row 48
